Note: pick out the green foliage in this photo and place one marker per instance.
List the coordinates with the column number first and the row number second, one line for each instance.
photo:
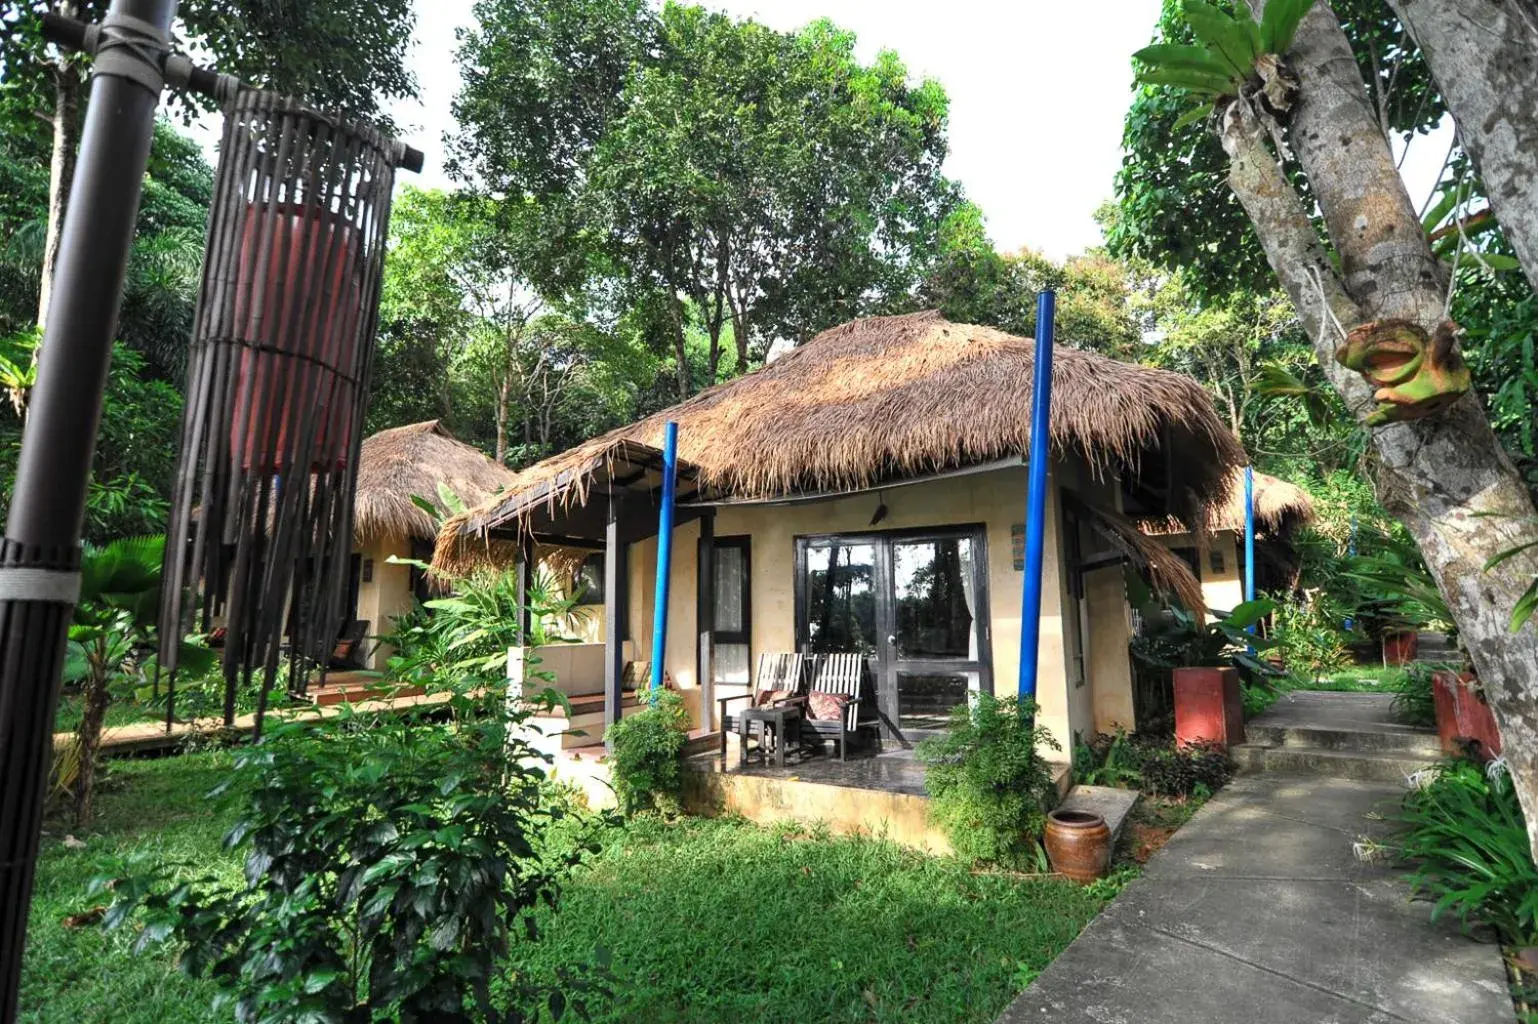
column 1309, row 638
column 463, row 638
column 989, row 786
column 1152, row 765
column 1195, row 771
column 1257, row 697
column 1414, row 701
column 391, row 867
column 1395, row 591
column 938, row 942
column 646, row 756
column 768, row 180
column 111, row 640
column 1464, row 832
column 971, row 282
column 1173, row 637
column 1228, row 46
column 1114, row 760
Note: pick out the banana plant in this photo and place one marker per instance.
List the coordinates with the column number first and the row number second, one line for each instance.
column 1230, row 50
column 111, row 641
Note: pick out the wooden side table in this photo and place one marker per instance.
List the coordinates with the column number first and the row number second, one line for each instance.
column 776, row 719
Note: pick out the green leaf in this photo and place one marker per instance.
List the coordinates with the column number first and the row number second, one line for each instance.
column 1279, row 23
column 1526, row 607
column 1224, row 36
column 1175, row 57
column 1195, row 81
column 1499, row 261
column 1248, row 613
column 1197, row 113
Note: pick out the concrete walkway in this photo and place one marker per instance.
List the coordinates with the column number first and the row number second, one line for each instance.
column 1258, row 912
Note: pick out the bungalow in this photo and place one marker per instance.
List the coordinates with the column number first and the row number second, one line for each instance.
column 1217, row 559
column 395, row 466
column 865, row 493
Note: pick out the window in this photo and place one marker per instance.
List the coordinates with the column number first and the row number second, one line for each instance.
column 732, row 613
column 587, row 584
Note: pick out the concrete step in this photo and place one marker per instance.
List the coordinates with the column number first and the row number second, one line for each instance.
column 1407, row 741
column 1110, row 803
column 1364, row 765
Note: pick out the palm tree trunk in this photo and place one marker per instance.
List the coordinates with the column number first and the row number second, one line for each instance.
column 61, row 174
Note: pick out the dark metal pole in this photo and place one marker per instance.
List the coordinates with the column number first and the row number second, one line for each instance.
column 40, row 554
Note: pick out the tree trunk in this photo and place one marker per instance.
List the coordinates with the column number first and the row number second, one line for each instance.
column 739, row 333
column 1445, row 477
column 61, row 174
column 88, row 742
column 679, row 352
column 1484, row 57
column 504, row 387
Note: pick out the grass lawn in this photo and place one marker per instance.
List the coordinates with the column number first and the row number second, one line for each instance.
column 119, row 712
column 706, row 921
column 1357, row 679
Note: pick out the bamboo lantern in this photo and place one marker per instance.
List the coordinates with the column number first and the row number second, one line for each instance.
column 277, row 377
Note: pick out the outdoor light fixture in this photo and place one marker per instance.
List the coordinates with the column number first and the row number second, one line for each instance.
column 277, row 379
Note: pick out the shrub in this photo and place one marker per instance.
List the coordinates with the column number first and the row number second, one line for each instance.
column 1464, row 832
column 1196, row 770
column 392, row 866
column 1109, row 760
column 1414, row 702
column 646, row 755
column 1257, row 697
column 1309, row 637
column 990, row 788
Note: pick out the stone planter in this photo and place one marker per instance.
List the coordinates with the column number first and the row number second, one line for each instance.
column 1078, row 845
column 1208, row 708
column 1462, row 716
column 1400, row 648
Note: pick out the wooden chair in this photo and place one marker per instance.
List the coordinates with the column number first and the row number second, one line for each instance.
column 779, row 674
column 838, row 676
column 347, row 653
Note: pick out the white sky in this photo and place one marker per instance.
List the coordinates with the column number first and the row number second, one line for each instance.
column 1037, row 93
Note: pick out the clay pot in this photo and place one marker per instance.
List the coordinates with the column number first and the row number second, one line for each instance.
column 1400, row 648
column 1078, row 845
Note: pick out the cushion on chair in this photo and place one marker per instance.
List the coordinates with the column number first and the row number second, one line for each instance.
column 767, row 698
column 826, row 706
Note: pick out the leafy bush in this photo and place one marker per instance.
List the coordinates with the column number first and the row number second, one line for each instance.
column 646, row 757
column 1414, row 703
column 1195, row 771
column 1109, row 760
column 1309, row 637
column 392, row 866
column 990, row 789
column 1257, row 697
column 1464, row 832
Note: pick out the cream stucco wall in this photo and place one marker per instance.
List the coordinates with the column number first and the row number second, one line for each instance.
column 387, row 596
column 995, row 500
column 1221, row 589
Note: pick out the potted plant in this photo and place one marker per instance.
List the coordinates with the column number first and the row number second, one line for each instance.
column 1205, row 659
column 1397, row 598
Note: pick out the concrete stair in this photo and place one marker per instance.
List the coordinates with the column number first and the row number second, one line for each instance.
column 1336, row 735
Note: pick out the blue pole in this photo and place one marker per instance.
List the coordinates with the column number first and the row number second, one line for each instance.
column 1249, row 535
column 1036, row 493
column 664, row 555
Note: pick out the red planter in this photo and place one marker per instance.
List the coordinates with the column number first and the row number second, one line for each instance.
column 1400, row 648
column 1208, row 707
column 298, row 303
column 1462, row 716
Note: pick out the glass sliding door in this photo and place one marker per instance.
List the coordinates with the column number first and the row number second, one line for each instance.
column 936, row 641
column 914, row 603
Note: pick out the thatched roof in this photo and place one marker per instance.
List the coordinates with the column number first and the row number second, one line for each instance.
column 1280, row 508
column 885, row 398
column 412, row 460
